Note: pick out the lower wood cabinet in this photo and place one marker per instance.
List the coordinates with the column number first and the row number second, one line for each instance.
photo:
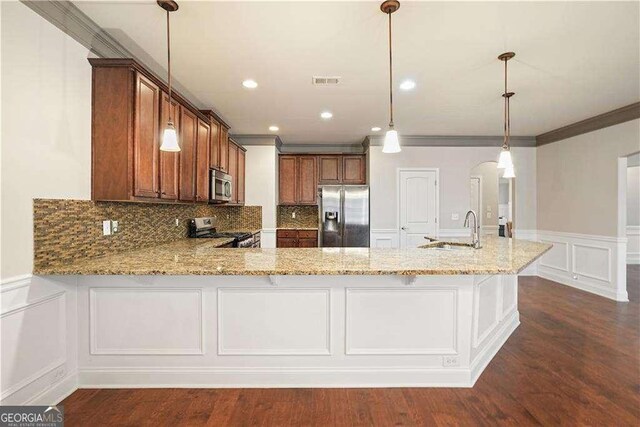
column 290, row 238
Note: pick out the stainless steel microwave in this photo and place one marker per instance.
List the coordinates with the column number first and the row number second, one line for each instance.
column 220, row 188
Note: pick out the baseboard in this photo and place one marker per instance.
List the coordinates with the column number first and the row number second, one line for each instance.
column 588, row 287
column 273, row 377
column 482, row 359
column 56, row 393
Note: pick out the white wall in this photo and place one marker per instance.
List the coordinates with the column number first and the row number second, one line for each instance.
column 633, row 214
column 455, row 164
column 261, row 184
column 46, row 126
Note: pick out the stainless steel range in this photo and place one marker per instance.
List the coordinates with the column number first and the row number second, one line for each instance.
column 205, row 227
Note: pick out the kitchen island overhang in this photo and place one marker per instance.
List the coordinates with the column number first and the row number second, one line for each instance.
column 296, row 330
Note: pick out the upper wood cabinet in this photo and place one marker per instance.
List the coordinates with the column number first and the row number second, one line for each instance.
column 342, row 169
column 145, row 138
column 354, row 169
column 202, row 161
column 287, row 180
column 241, row 175
column 330, row 169
column 169, row 162
column 223, row 163
column 130, row 109
column 233, row 171
column 298, row 180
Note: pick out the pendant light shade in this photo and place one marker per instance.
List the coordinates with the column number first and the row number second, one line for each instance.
column 391, row 140
column 170, row 139
column 504, row 161
column 169, row 135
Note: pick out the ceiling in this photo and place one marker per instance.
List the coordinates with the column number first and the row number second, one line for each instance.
column 573, row 60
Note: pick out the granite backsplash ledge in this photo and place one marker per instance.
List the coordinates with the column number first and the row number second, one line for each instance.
column 306, row 216
column 68, row 230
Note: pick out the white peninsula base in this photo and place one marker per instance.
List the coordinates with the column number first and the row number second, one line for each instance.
column 291, row 331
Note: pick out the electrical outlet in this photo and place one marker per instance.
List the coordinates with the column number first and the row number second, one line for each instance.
column 115, row 227
column 106, row 228
column 448, row 361
column 488, row 215
column 293, row 215
column 177, row 222
column 455, row 217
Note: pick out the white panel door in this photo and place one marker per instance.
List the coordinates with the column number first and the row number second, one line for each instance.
column 418, row 206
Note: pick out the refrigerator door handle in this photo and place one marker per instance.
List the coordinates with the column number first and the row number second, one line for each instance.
column 341, row 217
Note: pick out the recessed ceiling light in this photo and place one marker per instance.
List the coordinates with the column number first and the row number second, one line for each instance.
column 408, row 85
column 250, row 84
column 274, row 128
column 376, row 129
column 326, row 115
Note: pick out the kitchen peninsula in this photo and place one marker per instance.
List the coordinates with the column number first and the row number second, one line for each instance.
column 187, row 313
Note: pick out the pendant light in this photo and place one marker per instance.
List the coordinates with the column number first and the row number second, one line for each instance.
column 504, row 161
column 391, row 142
column 169, row 136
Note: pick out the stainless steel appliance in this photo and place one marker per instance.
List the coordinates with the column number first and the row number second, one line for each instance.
column 220, row 187
column 344, row 216
column 204, row 227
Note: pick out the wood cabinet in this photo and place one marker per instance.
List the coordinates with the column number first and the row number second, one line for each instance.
column 223, row 156
column 330, row 169
column 296, row 238
column 233, row 171
column 241, row 175
column 342, row 169
column 169, row 162
column 354, row 169
column 298, row 180
column 130, row 109
column 214, row 144
column 145, row 138
column 202, row 161
column 187, row 141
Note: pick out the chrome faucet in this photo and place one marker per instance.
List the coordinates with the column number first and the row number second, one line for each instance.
column 475, row 231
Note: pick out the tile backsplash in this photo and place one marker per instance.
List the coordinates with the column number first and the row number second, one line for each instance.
column 306, row 216
column 66, row 230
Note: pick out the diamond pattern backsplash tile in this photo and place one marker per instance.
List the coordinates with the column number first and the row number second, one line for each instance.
column 67, row 230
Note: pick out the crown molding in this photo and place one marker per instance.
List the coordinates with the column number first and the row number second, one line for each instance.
column 263, row 140
column 72, row 21
column 452, row 141
column 610, row 118
column 322, row 148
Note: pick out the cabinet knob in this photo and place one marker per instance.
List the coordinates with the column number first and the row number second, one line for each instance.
column 163, row 193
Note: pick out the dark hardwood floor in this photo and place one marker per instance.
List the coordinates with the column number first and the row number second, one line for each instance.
column 574, row 360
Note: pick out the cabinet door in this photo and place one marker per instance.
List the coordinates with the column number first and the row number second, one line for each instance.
column 307, row 177
column 307, row 243
column 233, row 171
column 188, row 136
column 330, row 169
column 354, row 170
column 287, row 180
column 202, row 161
column 169, row 162
column 223, row 159
column 214, row 148
column 145, row 134
column 286, row 242
column 241, row 175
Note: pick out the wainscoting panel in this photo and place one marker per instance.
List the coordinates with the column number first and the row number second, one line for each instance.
column 633, row 244
column 384, row 238
column 254, row 321
column 592, row 263
column 268, row 238
column 407, row 321
column 151, row 321
column 487, row 308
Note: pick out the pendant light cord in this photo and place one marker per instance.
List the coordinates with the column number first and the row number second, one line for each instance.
column 169, row 62
column 390, row 75
column 507, row 124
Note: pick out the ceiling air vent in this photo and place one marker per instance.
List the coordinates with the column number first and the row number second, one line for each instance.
column 325, row 81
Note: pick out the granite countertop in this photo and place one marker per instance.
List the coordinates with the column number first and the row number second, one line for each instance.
column 204, row 257
column 297, row 228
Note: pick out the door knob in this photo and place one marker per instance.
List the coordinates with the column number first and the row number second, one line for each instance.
column 403, row 228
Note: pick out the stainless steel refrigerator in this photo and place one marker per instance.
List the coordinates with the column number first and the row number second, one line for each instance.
column 344, row 216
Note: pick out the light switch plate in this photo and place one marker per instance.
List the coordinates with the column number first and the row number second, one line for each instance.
column 455, row 217
column 106, row 228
